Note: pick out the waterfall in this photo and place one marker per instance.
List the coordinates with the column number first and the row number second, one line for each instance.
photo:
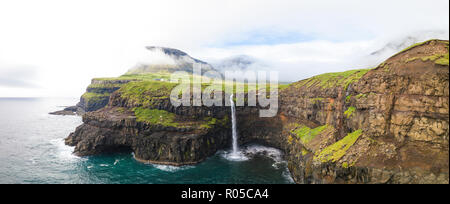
column 233, row 120
column 234, row 154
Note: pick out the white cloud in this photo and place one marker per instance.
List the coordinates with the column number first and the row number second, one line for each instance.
column 70, row 42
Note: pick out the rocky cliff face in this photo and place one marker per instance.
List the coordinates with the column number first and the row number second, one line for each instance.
column 114, row 129
column 98, row 93
column 388, row 124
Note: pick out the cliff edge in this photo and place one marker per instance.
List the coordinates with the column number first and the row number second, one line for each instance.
column 388, row 124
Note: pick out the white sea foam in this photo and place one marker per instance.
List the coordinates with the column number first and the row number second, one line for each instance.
column 270, row 152
column 234, row 156
column 169, row 168
column 273, row 153
column 64, row 152
column 250, row 151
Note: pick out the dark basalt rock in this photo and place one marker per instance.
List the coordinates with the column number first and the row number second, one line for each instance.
column 401, row 110
column 71, row 110
column 111, row 130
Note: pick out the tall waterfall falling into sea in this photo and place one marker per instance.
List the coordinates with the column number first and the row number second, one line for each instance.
column 235, row 154
column 233, row 120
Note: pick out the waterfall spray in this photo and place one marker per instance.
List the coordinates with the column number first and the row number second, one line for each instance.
column 233, row 120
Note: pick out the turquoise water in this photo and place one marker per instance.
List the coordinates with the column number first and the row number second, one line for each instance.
column 32, row 150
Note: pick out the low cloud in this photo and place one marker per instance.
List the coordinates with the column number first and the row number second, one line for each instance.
column 297, row 38
column 298, row 61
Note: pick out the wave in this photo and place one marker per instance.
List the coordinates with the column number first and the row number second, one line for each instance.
column 63, row 151
column 169, row 168
column 248, row 152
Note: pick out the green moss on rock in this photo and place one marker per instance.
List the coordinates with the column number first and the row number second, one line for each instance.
column 361, row 95
column 348, row 98
column 90, row 97
column 304, row 151
column 349, row 112
column 306, row 134
column 210, row 122
column 441, row 59
column 414, row 45
column 337, row 150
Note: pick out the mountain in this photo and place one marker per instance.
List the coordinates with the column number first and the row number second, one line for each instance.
column 174, row 60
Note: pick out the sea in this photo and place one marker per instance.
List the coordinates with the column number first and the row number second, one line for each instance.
column 32, row 151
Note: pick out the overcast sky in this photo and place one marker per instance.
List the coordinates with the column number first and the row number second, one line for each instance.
column 54, row 47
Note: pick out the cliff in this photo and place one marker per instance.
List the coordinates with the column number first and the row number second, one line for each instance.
column 389, row 124
column 99, row 91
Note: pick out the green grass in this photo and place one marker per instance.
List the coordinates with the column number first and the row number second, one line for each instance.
column 210, row 122
column 349, row 112
column 414, row 45
column 345, row 165
column 156, row 117
column 348, row 98
column 283, row 86
column 102, row 86
column 330, row 80
column 306, row 134
column 151, row 84
column 165, row 118
column 140, row 77
column 304, row 151
column 441, row 59
column 90, row 97
column 421, row 43
column 337, row 150
column 146, row 93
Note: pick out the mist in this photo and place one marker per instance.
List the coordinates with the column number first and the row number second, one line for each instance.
column 70, row 43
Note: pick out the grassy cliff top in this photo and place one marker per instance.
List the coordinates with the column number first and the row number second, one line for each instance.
column 432, row 51
column 141, row 77
column 436, row 51
column 336, row 79
column 423, row 43
column 168, row 119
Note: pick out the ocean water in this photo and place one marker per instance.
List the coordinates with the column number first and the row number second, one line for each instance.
column 32, row 150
